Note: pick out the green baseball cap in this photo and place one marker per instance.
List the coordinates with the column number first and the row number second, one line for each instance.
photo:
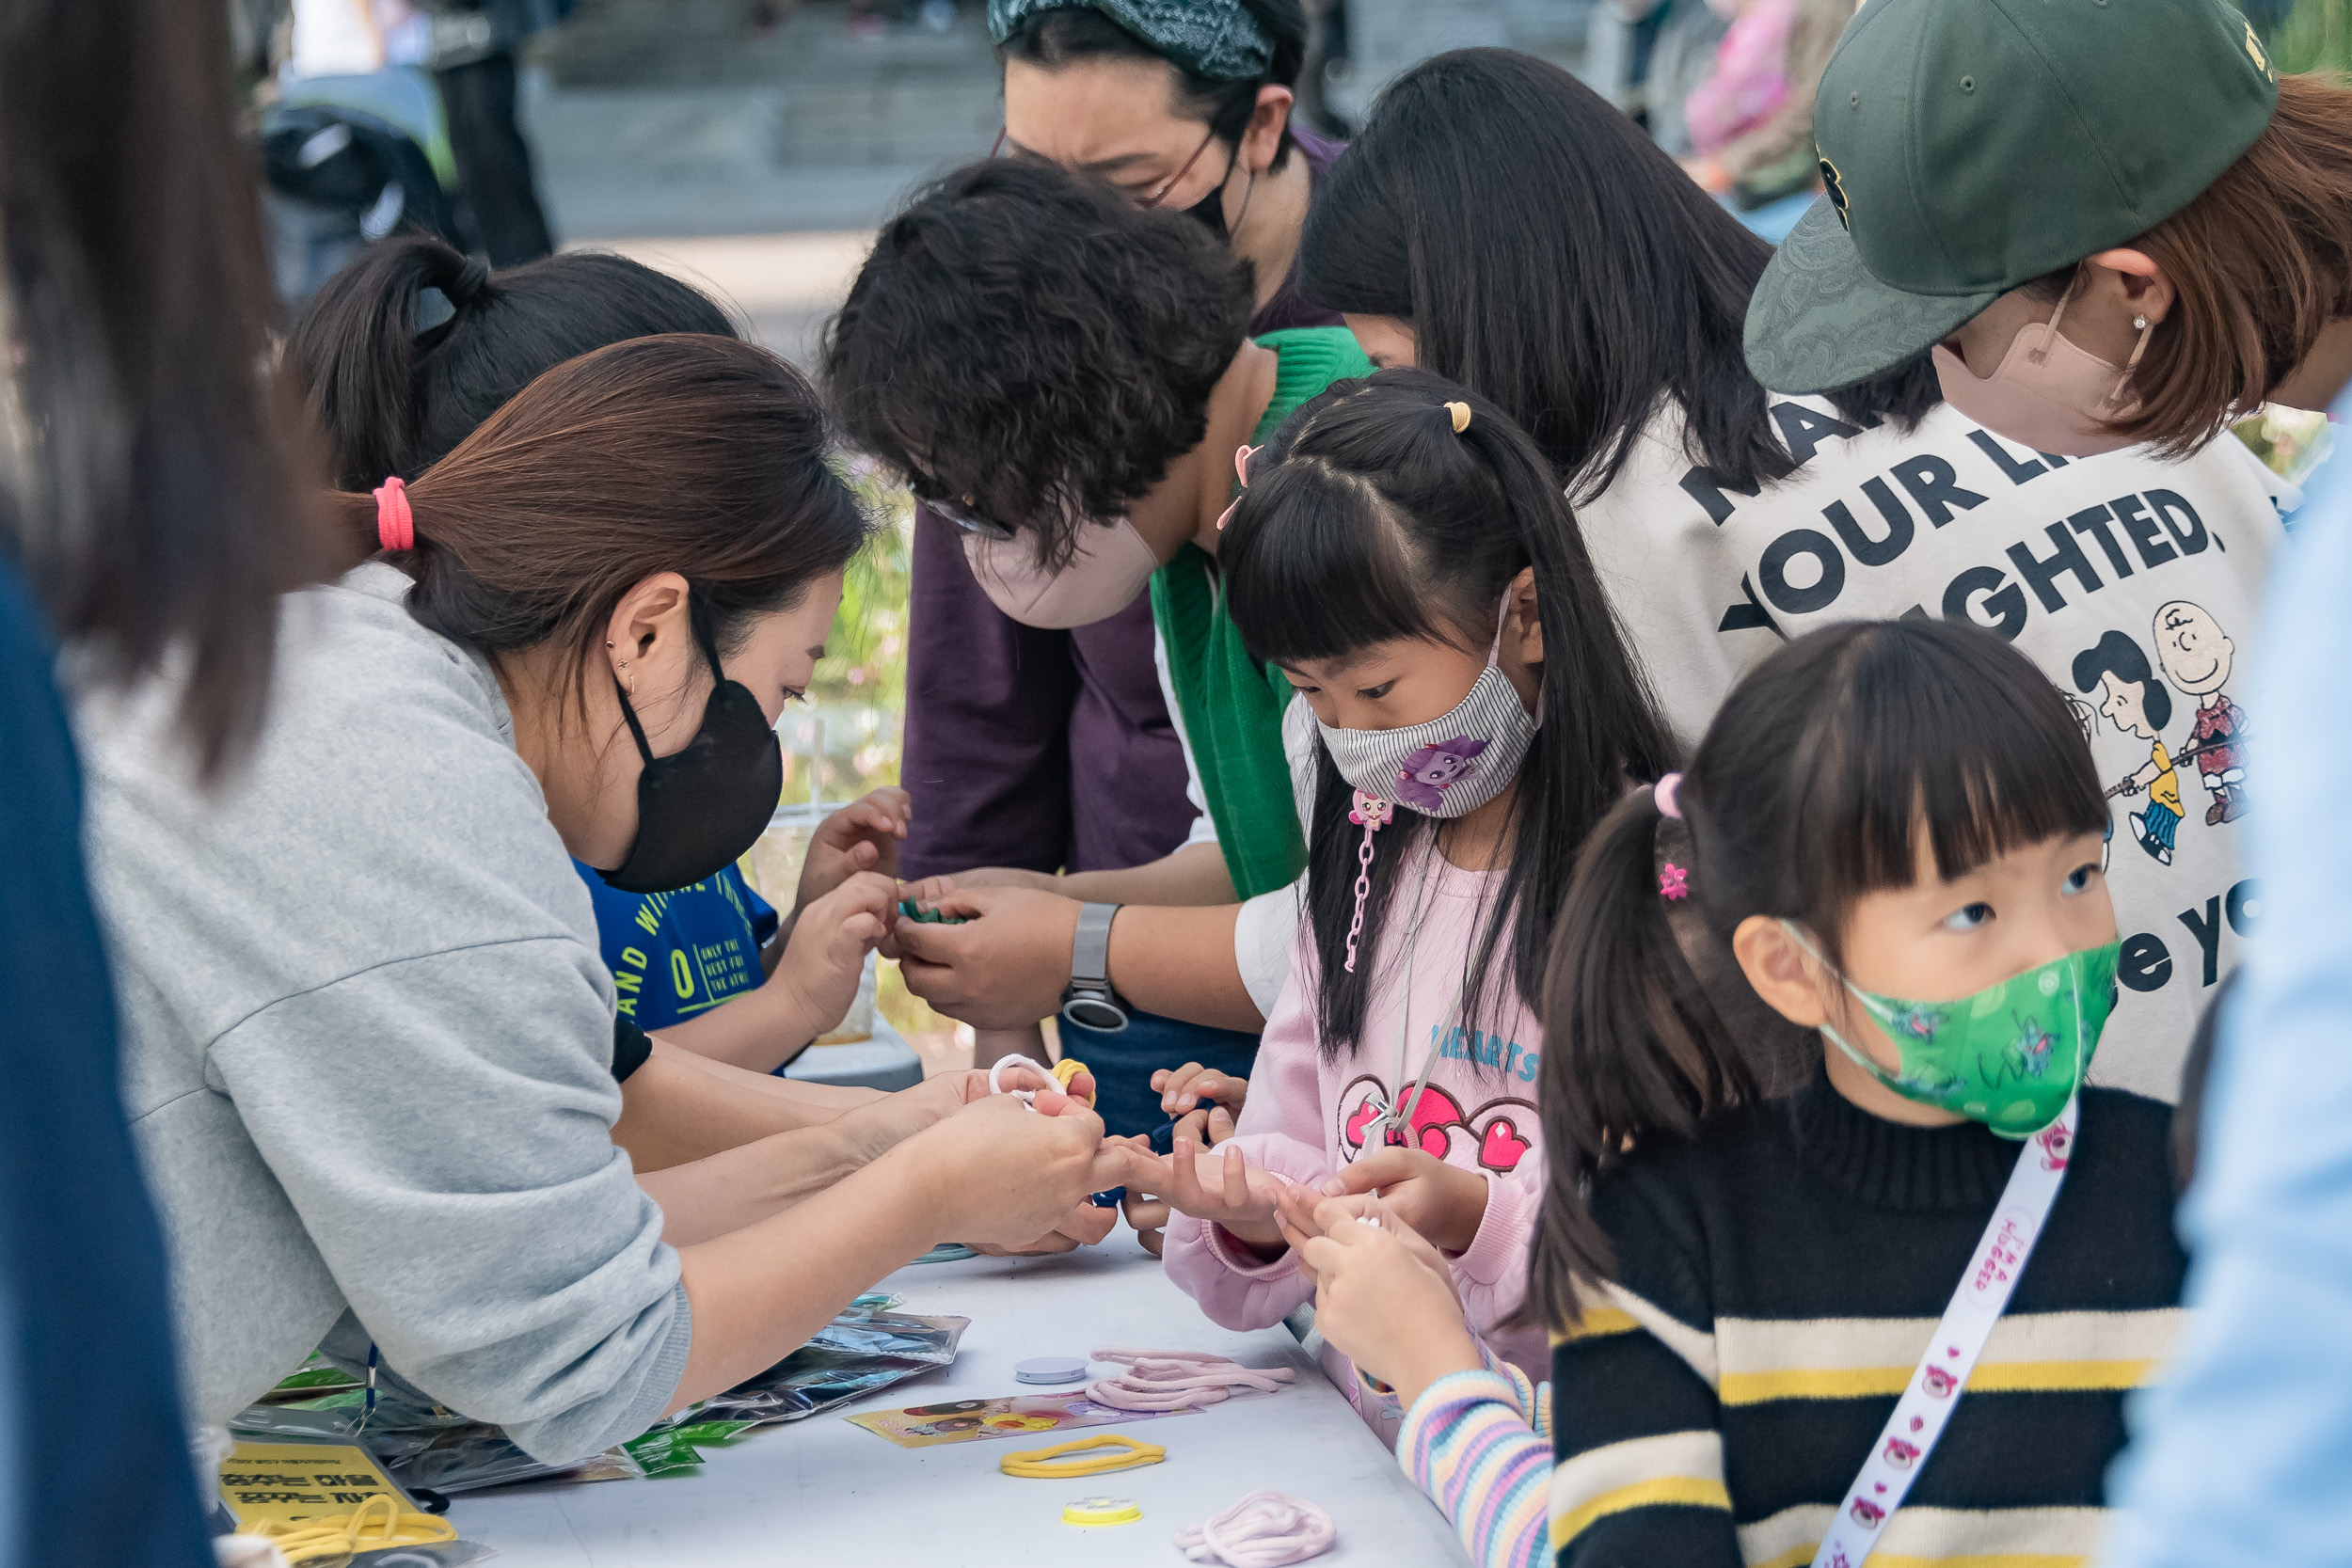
column 1970, row 146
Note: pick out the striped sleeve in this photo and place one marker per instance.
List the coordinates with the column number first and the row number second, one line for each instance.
column 1639, row 1472
column 1480, row 1444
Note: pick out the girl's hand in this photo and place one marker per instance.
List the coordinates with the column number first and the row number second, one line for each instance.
column 825, row 959
column 1444, row 1203
column 862, row 836
column 1204, row 1103
column 1385, row 1300
column 1227, row 1193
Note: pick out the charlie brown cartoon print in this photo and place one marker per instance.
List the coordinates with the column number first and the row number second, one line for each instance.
column 2197, row 656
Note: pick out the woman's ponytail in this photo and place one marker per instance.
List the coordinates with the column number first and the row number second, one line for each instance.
column 355, row 352
column 1635, row 1045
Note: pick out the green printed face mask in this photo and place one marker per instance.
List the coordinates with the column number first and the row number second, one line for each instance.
column 2010, row 1056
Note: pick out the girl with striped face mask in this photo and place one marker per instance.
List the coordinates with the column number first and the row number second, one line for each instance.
column 1403, row 554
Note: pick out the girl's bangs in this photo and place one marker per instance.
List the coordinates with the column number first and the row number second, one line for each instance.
column 1983, row 751
column 1331, row 578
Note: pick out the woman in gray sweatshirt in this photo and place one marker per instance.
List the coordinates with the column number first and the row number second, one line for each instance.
column 368, row 1034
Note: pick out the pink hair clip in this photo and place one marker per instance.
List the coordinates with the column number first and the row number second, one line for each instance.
column 1674, row 882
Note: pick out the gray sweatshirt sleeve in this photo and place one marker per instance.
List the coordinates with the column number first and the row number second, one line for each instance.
column 446, row 1142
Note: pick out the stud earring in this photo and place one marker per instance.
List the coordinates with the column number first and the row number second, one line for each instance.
column 2139, row 324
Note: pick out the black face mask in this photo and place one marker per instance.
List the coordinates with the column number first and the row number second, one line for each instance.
column 1210, row 210
column 699, row 809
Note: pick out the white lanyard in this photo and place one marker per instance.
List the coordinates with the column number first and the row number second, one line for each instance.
column 1903, row 1447
column 1400, row 1116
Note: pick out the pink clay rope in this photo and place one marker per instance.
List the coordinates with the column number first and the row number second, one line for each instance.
column 1177, row 1380
column 1265, row 1530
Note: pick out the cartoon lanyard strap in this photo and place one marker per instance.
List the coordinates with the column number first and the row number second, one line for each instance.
column 1903, row 1447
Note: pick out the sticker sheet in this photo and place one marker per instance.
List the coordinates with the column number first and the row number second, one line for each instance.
column 923, row 1426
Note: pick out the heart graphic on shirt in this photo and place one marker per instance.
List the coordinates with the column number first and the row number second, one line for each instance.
column 1361, row 1120
column 1502, row 1149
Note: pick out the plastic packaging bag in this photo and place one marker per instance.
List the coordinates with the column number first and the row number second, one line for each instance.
column 854, row 1355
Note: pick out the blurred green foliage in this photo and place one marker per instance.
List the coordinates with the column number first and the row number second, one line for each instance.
column 2316, row 35
column 845, row 740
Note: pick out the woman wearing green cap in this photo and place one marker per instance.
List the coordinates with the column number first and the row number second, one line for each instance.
column 1185, row 105
column 1592, row 291
column 2112, row 222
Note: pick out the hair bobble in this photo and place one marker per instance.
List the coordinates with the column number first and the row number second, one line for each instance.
column 395, row 524
column 1668, row 805
column 1460, row 413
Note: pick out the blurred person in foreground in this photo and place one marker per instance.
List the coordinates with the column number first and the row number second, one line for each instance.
column 146, row 503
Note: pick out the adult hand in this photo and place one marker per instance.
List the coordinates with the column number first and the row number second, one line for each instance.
column 1204, row 1101
column 880, row 1125
column 1224, row 1191
column 862, row 836
column 1385, row 1300
column 1004, row 968
column 996, row 1172
column 1083, row 1226
column 1444, row 1203
column 1006, row 876
column 825, row 957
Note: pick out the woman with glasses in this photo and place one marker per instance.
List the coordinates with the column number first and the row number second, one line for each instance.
column 1033, row 748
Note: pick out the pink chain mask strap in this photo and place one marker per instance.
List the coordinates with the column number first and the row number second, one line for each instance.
column 1179, row 1380
column 1374, row 814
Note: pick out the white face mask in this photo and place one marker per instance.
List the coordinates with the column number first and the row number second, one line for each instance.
column 2048, row 393
column 1112, row 566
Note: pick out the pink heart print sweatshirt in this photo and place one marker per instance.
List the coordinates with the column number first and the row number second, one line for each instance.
column 1307, row 1117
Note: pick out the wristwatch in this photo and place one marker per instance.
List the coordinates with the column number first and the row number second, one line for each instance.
column 1089, row 1003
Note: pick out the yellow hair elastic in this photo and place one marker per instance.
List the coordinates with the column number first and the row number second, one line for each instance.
column 1033, row 1464
column 1067, row 1068
column 1461, row 416
column 379, row 1523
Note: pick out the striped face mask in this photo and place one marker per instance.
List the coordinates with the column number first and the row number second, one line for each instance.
column 1453, row 763
column 1449, row 767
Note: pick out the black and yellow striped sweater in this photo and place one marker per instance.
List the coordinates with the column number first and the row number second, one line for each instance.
column 1778, row 1280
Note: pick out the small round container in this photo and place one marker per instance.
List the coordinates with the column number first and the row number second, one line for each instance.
column 1101, row 1510
column 1050, row 1369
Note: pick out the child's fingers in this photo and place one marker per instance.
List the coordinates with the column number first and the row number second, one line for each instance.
column 1236, row 1172
column 1175, row 1093
column 1381, row 1168
column 1220, row 1124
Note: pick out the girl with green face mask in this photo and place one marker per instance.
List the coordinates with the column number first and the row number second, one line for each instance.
column 1820, row 1011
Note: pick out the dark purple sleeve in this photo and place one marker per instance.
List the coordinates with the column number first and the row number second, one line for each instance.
column 987, row 741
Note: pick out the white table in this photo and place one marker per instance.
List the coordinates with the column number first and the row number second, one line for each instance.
column 823, row 1494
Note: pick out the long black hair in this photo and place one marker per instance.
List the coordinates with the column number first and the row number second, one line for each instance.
column 393, row 396
column 1809, row 790
column 1550, row 256
column 161, row 499
column 1051, row 40
column 1368, row 518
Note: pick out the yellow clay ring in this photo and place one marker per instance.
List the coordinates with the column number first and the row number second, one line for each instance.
column 1035, row 1465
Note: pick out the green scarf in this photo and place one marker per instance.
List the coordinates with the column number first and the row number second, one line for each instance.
column 1231, row 704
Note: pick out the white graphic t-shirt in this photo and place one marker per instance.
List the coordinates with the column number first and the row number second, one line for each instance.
column 2133, row 582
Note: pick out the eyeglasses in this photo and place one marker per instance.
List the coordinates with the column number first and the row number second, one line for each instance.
column 1149, row 202
column 969, row 521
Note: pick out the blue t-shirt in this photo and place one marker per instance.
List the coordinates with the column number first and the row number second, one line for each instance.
column 675, row 955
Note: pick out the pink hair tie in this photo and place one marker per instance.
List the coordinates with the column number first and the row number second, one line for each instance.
column 1664, row 796
column 395, row 525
